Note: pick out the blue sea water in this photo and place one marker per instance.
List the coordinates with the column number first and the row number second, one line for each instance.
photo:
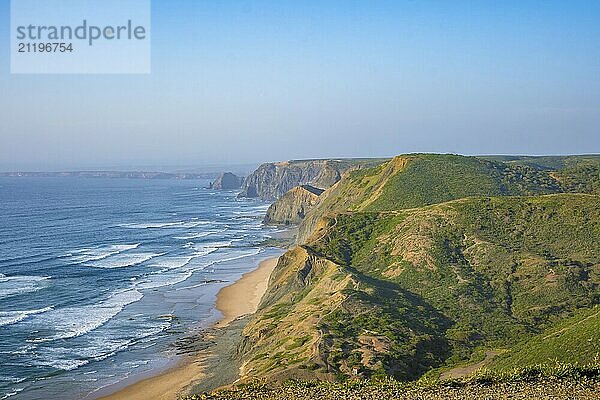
column 93, row 272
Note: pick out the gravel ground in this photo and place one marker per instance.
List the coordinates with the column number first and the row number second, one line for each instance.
column 543, row 389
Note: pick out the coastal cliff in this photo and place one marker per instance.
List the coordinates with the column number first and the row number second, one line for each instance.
column 272, row 180
column 291, row 208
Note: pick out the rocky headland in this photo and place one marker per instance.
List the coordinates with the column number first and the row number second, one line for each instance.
column 292, row 207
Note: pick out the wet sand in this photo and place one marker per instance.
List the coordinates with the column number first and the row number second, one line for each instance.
column 234, row 301
column 244, row 296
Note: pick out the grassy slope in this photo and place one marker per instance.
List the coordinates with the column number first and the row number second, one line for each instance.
column 575, row 340
column 399, row 293
column 407, row 291
column 430, row 179
column 418, row 180
column 423, row 179
column 497, row 269
column 574, row 173
column 549, row 163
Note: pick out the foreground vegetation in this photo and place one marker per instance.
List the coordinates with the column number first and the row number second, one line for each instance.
column 542, row 382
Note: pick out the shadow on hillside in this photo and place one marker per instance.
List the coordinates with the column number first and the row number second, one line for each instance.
column 414, row 329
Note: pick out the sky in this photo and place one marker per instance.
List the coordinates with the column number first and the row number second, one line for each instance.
column 236, row 82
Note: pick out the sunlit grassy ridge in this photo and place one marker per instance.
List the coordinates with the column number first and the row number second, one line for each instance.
column 417, row 180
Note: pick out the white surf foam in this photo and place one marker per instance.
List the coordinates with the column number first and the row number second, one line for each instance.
column 204, row 251
column 13, row 285
column 158, row 280
column 250, row 253
column 11, row 379
column 100, row 253
column 173, row 262
column 224, row 243
column 13, row 393
column 69, row 322
column 192, row 286
column 177, row 262
column 12, row 317
column 198, row 235
column 156, row 225
column 110, row 348
column 173, row 269
column 97, row 347
column 126, row 260
column 64, row 364
column 163, row 225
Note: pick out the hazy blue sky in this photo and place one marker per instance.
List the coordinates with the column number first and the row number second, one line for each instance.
column 246, row 81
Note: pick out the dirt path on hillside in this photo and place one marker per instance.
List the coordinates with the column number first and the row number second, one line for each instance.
column 461, row 372
column 570, row 326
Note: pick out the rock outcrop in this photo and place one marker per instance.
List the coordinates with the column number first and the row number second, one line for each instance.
column 227, row 181
column 271, row 181
column 292, row 207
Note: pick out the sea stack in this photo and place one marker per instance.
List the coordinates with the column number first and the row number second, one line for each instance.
column 227, row 181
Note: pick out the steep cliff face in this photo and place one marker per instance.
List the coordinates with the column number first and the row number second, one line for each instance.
column 271, row 181
column 291, row 208
column 283, row 339
column 227, row 181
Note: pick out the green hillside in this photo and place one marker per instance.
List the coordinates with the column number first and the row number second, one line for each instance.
column 427, row 268
column 422, row 179
column 431, row 178
column 575, row 340
column 548, row 163
column 398, row 293
column 579, row 174
column 417, row 180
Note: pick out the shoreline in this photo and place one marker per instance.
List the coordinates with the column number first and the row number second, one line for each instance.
column 234, row 301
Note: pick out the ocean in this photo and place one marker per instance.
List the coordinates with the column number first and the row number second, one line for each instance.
column 100, row 277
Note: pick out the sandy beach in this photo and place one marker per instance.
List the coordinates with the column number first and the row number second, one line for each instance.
column 243, row 297
column 234, row 301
